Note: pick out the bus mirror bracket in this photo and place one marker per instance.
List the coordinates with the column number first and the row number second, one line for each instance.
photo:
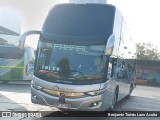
column 24, row 35
column 110, row 45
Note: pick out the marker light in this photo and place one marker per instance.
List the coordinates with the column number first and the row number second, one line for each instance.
column 96, row 92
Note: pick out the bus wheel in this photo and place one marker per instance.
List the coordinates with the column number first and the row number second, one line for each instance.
column 115, row 99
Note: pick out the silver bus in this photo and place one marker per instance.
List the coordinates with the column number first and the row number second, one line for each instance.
column 85, row 59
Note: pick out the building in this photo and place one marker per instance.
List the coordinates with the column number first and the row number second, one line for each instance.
column 10, row 26
column 88, row 1
column 148, row 71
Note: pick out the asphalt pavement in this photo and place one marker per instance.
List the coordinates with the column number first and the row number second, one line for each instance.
column 16, row 97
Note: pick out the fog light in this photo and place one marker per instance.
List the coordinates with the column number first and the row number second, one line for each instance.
column 35, row 97
column 95, row 104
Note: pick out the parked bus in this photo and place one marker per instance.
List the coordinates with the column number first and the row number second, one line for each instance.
column 15, row 63
column 85, row 58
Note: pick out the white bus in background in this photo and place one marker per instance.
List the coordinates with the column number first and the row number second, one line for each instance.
column 85, row 59
column 15, row 63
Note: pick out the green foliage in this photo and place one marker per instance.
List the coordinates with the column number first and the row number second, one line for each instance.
column 147, row 51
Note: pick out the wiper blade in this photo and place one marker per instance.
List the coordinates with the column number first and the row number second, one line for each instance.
column 78, row 72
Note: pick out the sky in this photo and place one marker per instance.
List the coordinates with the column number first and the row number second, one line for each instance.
column 142, row 16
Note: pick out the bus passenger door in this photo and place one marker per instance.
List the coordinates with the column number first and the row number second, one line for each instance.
column 110, row 84
column 121, row 77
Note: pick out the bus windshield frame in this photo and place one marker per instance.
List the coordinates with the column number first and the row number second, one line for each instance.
column 70, row 64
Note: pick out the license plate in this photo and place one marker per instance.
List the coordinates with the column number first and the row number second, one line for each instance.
column 59, row 105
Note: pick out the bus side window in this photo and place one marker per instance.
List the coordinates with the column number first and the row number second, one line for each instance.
column 121, row 70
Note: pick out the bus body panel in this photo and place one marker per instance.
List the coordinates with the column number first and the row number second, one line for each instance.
column 108, row 95
column 79, row 103
column 65, row 87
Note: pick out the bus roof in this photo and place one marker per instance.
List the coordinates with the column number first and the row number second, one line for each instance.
column 79, row 23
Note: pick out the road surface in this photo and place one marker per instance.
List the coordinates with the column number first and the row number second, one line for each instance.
column 16, row 97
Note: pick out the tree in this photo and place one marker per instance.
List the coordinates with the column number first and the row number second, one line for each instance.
column 147, row 51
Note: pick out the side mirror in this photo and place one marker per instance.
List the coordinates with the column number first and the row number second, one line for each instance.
column 110, row 45
column 24, row 35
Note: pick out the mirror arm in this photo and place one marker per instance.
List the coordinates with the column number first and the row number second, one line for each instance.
column 24, row 35
column 110, row 45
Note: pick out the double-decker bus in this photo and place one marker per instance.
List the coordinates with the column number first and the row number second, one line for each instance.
column 85, row 59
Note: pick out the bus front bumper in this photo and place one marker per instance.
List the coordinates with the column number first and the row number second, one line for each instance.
column 90, row 103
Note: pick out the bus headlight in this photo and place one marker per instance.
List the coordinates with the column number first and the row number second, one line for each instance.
column 34, row 85
column 96, row 92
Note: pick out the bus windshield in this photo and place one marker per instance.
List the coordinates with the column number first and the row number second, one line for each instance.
column 58, row 62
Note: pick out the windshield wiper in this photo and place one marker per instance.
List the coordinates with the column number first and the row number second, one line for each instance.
column 78, row 72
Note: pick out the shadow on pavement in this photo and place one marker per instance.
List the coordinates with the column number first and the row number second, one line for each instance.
column 20, row 87
column 7, row 104
column 133, row 103
column 136, row 103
